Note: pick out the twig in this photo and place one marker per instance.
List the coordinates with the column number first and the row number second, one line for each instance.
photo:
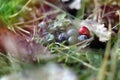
column 96, row 3
column 85, row 41
column 65, row 47
column 21, row 29
column 39, row 18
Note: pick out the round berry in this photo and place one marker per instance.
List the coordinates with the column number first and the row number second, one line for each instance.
column 48, row 38
column 84, row 31
column 72, row 40
column 42, row 24
column 62, row 37
column 72, row 32
column 82, row 37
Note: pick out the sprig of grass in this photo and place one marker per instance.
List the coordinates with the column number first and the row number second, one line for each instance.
column 8, row 8
column 114, row 59
column 71, row 52
column 15, row 14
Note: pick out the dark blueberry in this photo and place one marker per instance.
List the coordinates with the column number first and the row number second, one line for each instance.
column 62, row 37
column 82, row 37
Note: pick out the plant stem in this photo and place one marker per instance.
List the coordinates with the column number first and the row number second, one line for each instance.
column 84, row 63
column 102, row 72
column 115, row 52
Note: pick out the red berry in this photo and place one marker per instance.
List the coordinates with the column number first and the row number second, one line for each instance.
column 84, row 31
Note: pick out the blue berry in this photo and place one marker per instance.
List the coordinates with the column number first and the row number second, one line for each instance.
column 48, row 39
column 82, row 37
column 62, row 37
column 72, row 40
column 72, row 32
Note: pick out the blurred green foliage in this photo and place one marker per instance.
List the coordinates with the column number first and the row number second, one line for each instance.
column 8, row 8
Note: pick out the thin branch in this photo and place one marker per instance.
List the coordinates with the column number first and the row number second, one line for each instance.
column 39, row 18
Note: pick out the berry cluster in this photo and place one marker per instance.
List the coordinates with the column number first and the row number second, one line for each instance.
column 69, row 36
column 72, row 36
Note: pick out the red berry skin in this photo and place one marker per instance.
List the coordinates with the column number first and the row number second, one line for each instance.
column 84, row 31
